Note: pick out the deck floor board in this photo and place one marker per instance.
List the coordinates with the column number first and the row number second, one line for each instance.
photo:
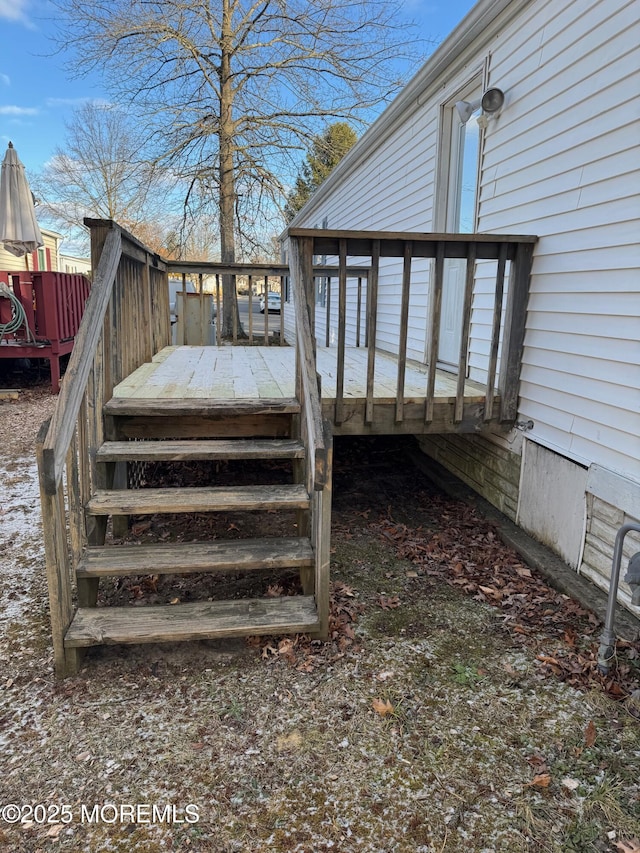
column 242, row 372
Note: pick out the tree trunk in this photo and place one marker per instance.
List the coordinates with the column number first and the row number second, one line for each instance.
column 227, row 176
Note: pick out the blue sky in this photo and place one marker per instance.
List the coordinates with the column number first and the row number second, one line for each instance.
column 37, row 95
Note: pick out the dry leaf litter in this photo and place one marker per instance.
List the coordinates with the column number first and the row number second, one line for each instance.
column 456, row 706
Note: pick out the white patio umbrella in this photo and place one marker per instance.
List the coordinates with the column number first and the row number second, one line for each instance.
column 19, row 230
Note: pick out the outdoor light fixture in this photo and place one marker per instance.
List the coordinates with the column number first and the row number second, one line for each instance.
column 491, row 103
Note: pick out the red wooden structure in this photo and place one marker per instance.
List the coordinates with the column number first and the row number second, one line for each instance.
column 53, row 303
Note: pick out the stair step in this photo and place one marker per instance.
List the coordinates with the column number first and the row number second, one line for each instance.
column 201, row 407
column 179, row 451
column 202, row 620
column 171, row 558
column 211, row 499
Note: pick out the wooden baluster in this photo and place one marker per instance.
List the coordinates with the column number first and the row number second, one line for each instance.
column 281, row 310
column 266, row 310
column 372, row 310
column 235, row 309
column 359, row 311
column 203, row 320
column 218, row 313
column 434, row 325
column 342, row 326
column 495, row 333
column 327, row 300
column 183, row 311
column 464, row 336
column 404, row 322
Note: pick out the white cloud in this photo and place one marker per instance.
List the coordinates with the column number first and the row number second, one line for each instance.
column 5, row 79
column 15, row 10
column 10, row 110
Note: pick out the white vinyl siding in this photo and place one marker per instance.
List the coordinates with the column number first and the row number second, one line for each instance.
column 561, row 161
column 572, row 177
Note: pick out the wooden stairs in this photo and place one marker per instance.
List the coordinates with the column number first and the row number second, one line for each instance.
column 150, row 431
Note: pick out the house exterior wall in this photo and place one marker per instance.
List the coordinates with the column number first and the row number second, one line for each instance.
column 560, row 161
column 73, row 264
column 49, row 259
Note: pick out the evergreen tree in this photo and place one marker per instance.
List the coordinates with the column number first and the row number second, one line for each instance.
column 327, row 151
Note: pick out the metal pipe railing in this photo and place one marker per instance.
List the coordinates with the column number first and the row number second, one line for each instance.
column 607, row 648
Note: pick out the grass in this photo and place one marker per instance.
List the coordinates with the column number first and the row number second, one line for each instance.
column 483, row 750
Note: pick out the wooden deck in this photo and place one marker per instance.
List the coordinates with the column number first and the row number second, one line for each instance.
column 268, row 373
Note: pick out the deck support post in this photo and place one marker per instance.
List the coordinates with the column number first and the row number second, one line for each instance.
column 58, row 565
column 321, row 537
column 514, row 328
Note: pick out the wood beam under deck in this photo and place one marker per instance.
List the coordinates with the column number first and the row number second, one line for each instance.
column 267, row 374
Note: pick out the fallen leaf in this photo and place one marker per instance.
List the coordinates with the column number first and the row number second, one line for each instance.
column 382, row 707
column 83, row 756
column 590, row 734
column 141, row 527
column 570, row 784
column 388, row 602
column 286, row 649
column 541, row 780
column 489, row 590
column 54, row 831
column 175, row 601
column 522, row 572
column 631, row 846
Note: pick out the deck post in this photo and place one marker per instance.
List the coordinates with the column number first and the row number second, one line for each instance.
column 306, row 270
column 57, row 562
column 321, row 537
column 514, row 328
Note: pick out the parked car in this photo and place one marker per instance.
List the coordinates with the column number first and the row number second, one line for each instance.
column 273, row 302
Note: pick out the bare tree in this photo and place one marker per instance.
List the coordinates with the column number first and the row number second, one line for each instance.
column 236, row 88
column 102, row 173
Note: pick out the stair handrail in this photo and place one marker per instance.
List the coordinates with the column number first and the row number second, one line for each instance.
column 63, row 422
column 306, row 367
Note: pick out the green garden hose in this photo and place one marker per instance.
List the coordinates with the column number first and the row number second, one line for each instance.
column 18, row 318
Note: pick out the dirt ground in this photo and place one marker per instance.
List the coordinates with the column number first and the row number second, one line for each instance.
column 457, row 706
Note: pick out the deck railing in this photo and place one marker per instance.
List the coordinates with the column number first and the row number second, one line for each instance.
column 251, row 280
column 393, row 254
column 52, row 307
column 126, row 321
